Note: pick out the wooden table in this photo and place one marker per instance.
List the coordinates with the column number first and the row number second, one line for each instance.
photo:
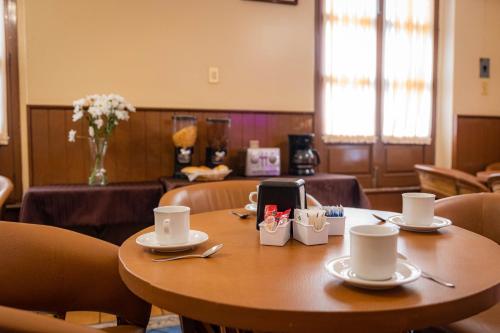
column 278, row 289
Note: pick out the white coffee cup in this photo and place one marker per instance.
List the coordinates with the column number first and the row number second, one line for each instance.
column 172, row 224
column 254, row 194
column 373, row 251
column 418, row 208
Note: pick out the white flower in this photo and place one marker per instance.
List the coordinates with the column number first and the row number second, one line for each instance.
column 77, row 115
column 99, row 122
column 122, row 115
column 95, row 111
column 72, row 136
column 91, row 131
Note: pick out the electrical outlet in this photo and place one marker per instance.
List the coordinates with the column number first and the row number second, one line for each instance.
column 484, row 68
column 213, row 74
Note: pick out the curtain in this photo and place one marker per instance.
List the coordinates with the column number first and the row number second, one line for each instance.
column 407, row 71
column 349, row 70
column 4, row 137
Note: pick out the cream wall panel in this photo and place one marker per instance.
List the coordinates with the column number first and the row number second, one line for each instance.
column 157, row 52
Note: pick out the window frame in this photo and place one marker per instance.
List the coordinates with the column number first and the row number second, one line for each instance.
column 318, row 90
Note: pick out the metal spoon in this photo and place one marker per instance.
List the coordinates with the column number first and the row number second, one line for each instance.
column 381, row 219
column 430, row 276
column 240, row 215
column 437, row 280
column 205, row 254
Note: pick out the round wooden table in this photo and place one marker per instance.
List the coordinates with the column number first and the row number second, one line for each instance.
column 278, row 289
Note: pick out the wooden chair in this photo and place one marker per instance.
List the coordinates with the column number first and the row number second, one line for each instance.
column 479, row 213
column 210, row 196
column 447, row 182
column 493, row 167
column 56, row 270
column 494, row 182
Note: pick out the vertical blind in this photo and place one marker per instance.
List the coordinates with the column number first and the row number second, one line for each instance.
column 408, row 71
column 4, row 137
column 349, row 71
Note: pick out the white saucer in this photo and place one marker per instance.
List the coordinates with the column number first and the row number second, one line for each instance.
column 437, row 223
column 148, row 240
column 405, row 273
column 251, row 208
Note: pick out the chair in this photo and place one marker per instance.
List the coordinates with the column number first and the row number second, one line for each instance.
column 479, row 213
column 6, row 188
column 56, row 270
column 447, row 182
column 494, row 182
column 210, row 196
column 493, row 167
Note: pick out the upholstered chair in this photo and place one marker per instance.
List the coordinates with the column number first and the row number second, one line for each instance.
column 446, row 182
column 210, row 196
column 479, row 213
column 56, row 270
column 493, row 167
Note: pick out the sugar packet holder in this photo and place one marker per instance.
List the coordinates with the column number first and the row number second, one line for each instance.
column 305, row 232
column 335, row 216
column 276, row 237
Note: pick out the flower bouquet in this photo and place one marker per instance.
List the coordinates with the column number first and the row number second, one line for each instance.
column 103, row 113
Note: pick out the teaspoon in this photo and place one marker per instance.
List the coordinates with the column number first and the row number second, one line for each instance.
column 205, row 254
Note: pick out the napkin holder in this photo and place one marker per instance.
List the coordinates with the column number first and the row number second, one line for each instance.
column 286, row 193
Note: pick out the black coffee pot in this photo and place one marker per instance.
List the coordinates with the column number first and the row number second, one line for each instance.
column 303, row 158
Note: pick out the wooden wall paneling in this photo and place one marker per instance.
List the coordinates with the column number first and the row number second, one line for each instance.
column 153, row 145
column 235, row 160
column 137, row 146
column 39, row 147
column 402, row 158
column 476, row 143
column 57, row 152
column 354, row 159
column 117, row 157
column 249, row 132
column 167, row 146
column 142, row 148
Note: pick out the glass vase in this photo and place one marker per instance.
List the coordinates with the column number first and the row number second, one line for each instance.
column 98, row 147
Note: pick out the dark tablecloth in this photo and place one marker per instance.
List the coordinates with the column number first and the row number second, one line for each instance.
column 93, row 209
column 328, row 189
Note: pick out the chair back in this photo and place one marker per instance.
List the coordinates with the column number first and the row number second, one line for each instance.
column 478, row 212
column 20, row 321
column 56, row 270
column 493, row 167
column 6, row 188
column 446, row 182
column 210, row 196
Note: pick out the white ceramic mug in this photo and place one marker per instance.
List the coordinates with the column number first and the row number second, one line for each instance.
column 172, row 224
column 373, row 251
column 254, row 194
column 418, row 208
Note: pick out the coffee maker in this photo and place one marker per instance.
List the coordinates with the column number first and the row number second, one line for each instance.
column 302, row 157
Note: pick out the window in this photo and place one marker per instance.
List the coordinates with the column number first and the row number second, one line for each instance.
column 4, row 137
column 359, row 45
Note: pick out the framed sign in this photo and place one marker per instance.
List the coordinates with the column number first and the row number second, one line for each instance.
column 284, row 2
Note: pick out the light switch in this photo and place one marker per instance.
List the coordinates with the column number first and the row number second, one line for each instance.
column 213, row 74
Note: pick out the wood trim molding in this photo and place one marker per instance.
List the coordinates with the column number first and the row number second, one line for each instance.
column 172, row 109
